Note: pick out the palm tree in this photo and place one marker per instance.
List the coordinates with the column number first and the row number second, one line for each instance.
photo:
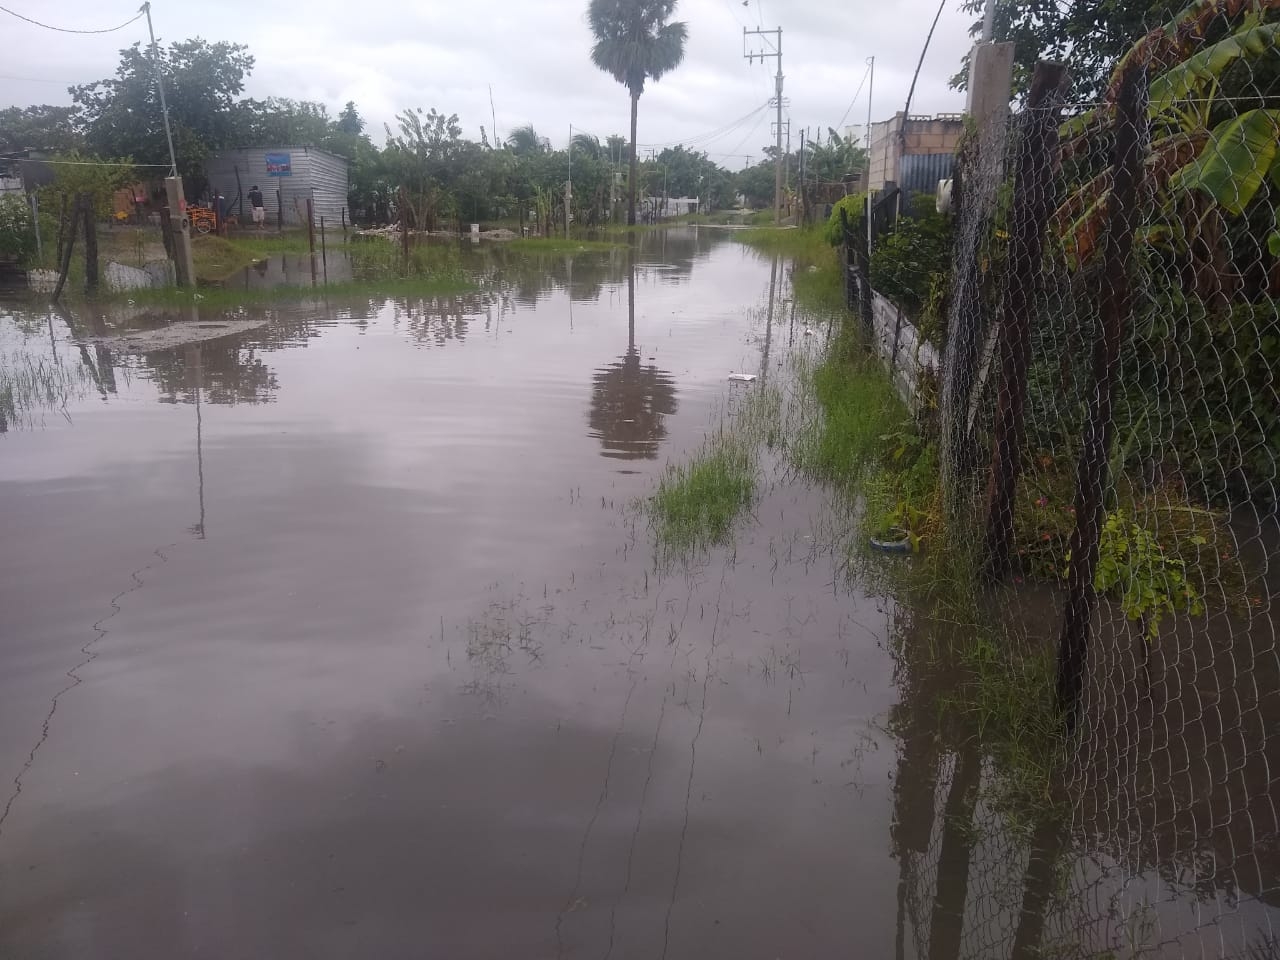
column 524, row 141
column 635, row 43
column 584, row 144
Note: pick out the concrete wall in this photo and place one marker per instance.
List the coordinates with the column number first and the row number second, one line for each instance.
column 924, row 135
column 914, row 359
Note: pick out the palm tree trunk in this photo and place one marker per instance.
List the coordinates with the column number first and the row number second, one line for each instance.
column 635, row 164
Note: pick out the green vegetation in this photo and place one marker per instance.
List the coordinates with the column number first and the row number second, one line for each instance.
column 17, row 229
column 228, row 298
column 559, row 245
column 31, row 385
column 697, row 503
column 635, row 41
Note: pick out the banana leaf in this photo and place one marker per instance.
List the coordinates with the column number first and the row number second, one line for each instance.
column 1188, row 77
column 1237, row 159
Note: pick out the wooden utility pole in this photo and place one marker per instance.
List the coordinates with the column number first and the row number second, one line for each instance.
column 90, row 244
column 1034, row 199
column 1115, row 313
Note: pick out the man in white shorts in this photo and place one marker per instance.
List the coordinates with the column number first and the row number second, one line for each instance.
column 259, row 211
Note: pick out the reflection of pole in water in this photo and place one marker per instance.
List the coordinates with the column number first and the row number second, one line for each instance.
column 195, row 359
column 947, row 920
column 631, row 305
column 1047, row 844
column 768, row 321
column 791, row 335
column 914, row 786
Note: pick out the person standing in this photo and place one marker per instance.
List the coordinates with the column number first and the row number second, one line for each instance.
column 259, row 211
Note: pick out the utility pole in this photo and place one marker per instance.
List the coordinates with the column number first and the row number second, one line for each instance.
column 871, row 66
column 751, row 56
column 164, row 106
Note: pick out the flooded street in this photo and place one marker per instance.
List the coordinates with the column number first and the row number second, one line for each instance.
column 369, row 655
column 338, row 629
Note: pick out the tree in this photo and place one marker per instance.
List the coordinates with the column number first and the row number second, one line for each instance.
column 756, row 183
column 349, row 120
column 1088, row 34
column 834, row 161
column 524, row 141
column 122, row 116
column 42, row 127
column 634, row 43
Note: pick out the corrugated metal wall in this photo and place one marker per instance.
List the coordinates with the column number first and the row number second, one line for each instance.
column 920, row 174
column 314, row 173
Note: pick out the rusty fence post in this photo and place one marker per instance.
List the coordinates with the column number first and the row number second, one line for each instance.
column 1034, row 199
column 311, row 237
column 1115, row 314
column 90, row 244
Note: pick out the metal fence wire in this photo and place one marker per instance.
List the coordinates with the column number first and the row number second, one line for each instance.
column 1109, row 428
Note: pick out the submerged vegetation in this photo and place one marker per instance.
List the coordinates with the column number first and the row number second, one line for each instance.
column 697, row 502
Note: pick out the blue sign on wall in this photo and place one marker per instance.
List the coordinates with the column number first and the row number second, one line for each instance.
column 279, row 165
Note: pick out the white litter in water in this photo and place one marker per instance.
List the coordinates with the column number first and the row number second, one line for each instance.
column 808, row 331
column 741, row 377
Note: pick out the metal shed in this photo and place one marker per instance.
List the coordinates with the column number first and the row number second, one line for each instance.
column 287, row 176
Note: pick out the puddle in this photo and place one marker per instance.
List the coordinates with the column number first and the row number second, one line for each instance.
column 369, row 655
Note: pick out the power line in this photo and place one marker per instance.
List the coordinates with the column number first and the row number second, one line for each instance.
column 47, row 26
column 83, row 163
column 856, row 93
column 56, row 83
column 750, row 134
column 711, row 135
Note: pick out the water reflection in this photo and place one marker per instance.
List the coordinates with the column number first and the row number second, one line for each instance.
column 630, row 399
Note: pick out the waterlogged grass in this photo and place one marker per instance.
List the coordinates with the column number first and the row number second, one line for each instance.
column 559, row 245
column 218, row 297
column 697, row 503
column 806, row 244
column 31, row 386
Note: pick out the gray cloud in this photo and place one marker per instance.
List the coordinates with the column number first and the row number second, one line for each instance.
column 387, row 55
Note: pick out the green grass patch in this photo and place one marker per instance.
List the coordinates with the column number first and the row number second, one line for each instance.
column 217, row 258
column 559, row 245
column 697, row 502
column 805, row 244
column 220, row 297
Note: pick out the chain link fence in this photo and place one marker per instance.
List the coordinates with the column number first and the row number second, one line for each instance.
column 1108, row 427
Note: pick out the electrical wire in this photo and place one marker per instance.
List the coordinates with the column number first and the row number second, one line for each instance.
column 56, row 83
column 83, row 163
column 13, row 13
column 711, row 135
column 865, row 74
column 750, row 134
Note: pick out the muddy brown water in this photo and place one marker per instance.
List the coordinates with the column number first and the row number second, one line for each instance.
column 342, row 635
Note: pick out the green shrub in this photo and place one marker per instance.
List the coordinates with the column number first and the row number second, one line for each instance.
column 17, row 229
column 854, row 207
column 909, row 263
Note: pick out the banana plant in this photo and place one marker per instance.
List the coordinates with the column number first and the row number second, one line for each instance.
column 1224, row 164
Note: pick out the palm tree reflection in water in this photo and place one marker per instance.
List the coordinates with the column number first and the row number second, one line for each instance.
column 630, row 401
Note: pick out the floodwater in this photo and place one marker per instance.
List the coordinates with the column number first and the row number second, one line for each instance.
column 336, row 631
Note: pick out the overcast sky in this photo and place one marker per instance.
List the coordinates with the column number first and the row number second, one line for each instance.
column 390, row 54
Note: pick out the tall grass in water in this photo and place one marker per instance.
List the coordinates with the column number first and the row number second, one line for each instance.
column 31, row 385
column 697, row 502
column 378, row 259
